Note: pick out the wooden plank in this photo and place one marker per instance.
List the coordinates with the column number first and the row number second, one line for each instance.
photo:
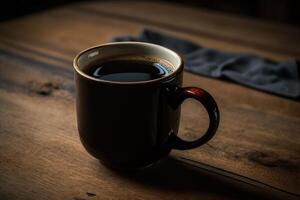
column 220, row 26
column 40, row 153
column 58, row 34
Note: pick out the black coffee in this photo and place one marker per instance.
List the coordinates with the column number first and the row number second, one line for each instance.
column 127, row 70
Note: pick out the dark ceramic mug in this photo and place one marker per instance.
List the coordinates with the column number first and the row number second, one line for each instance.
column 131, row 125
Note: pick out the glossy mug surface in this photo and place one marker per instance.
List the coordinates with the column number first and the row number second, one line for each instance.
column 130, row 124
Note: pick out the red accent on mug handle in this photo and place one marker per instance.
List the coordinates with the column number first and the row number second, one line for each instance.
column 213, row 112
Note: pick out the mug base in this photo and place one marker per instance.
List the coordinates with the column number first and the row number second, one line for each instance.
column 125, row 168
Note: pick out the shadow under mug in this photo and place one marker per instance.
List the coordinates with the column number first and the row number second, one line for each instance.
column 131, row 125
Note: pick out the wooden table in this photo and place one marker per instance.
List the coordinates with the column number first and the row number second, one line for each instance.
column 41, row 156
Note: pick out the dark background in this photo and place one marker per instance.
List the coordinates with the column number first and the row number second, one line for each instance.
column 285, row 11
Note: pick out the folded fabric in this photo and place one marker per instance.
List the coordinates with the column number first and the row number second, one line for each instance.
column 282, row 78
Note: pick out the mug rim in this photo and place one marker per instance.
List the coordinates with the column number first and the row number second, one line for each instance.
column 178, row 69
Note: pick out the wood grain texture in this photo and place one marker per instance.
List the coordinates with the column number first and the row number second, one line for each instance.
column 41, row 156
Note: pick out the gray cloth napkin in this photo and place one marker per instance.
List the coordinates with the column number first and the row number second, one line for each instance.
column 281, row 78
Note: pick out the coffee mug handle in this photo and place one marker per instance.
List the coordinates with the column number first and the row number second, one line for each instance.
column 179, row 95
